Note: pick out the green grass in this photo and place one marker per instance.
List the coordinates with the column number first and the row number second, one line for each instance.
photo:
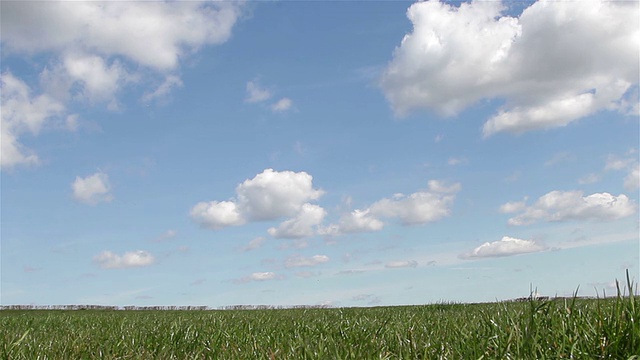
column 551, row 329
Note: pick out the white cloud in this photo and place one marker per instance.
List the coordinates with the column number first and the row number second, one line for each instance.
column 630, row 164
column 254, row 244
column 217, row 214
column 270, row 195
column 93, row 50
column 513, row 207
column 303, row 225
column 301, row 261
column 553, row 65
column 109, row 260
column 632, row 180
column 255, row 93
column 617, row 163
column 420, row 207
column 283, row 104
column 22, row 112
column 571, row 205
column 153, row 34
column 359, row 221
column 401, row 264
column 92, row 189
column 507, row 246
column 456, row 161
column 259, row 276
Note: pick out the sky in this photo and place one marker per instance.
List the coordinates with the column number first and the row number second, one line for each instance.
column 343, row 153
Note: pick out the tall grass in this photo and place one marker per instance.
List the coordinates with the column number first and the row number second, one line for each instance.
column 574, row 328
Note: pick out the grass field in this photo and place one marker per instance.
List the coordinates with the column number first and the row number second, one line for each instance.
column 534, row 329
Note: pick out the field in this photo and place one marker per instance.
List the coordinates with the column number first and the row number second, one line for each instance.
column 534, row 329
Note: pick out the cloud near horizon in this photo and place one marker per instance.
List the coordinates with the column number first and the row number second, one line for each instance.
column 558, row 206
column 110, row 260
column 418, row 208
column 507, row 246
column 552, row 65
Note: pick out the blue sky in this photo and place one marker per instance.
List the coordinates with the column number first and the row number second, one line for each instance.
column 340, row 153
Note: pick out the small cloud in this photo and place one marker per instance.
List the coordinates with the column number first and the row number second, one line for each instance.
column 513, row 207
column 109, row 260
column 92, row 189
column 254, row 244
column 282, row 105
column 401, row 264
column 259, row 276
column 616, row 163
column 255, row 93
column 507, row 246
column 301, row 261
column 456, row 161
column 349, row 272
column 169, row 234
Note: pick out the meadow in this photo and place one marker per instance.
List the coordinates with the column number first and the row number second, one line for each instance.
column 566, row 328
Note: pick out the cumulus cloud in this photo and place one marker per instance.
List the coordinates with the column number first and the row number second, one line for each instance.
column 283, row 104
column 92, row 189
column 22, row 112
column 418, row 208
column 303, row 225
column 513, row 207
column 552, row 65
column 401, row 264
column 359, row 221
column 153, row 34
column 93, row 50
column 507, row 246
column 572, row 205
column 270, row 195
column 217, row 214
column 110, row 260
column 301, row 261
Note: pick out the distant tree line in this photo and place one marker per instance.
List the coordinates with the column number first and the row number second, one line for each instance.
column 156, row 308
